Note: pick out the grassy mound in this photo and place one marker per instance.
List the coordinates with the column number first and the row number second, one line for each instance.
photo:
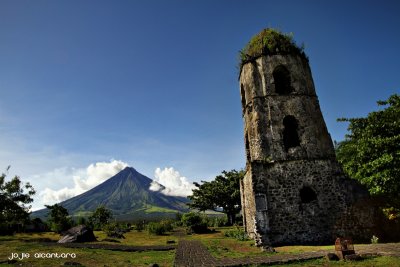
column 270, row 42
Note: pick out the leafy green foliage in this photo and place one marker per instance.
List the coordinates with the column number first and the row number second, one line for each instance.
column 160, row 228
column 156, row 228
column 100, row 217
column 168, row 224
column 371, row 153
column 178, row 219
column 194, row 223
column 374, row 239
column 13, row 200
column 81, row 220
column 114, row 230
column 139, row 226
column 270, row 41
column 217, row 221
column 223, row 192
column 58, row 220
column 237, row 233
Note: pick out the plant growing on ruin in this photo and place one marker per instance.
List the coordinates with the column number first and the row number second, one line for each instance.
column 270, row 41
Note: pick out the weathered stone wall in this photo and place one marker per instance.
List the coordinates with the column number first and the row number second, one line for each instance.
column 305, row 200
column 294, row 191
column 264, row 110
column 248, row 204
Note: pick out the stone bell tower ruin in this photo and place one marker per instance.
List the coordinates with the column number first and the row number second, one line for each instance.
column 294, row 190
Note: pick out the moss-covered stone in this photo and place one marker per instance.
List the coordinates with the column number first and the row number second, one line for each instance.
column 270, row 42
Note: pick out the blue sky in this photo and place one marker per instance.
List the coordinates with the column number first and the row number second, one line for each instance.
column 154, row 83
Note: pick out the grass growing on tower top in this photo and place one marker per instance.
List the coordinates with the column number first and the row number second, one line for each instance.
column 270, row 42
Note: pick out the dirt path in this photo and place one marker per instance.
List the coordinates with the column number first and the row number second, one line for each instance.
column 113, row 247
column 194, row 253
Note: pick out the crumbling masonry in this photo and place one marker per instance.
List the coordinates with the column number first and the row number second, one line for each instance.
column 294, row 190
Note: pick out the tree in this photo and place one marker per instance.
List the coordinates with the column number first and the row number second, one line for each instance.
column 194, row 223
column 100, row 217
column 370, row 153
column 14, row 200
column 223, row 192
column 58, row 220
column 81, row 220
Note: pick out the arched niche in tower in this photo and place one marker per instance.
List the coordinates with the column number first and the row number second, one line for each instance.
column 282, row 80
column 290, row 134
column 243, row 97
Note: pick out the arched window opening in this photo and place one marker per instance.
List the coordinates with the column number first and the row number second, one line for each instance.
column 247, row 145
column 243, row 96
column 290, row 136
column 282, row 80
column 307, row 195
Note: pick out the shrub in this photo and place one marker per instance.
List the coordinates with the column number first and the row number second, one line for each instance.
column 123, row 227
column 139, row 226
column 270, row 41
column 81, row 220
column 178, row 219
column 194, row 223
column 113, row 230
column 237, row 233
column 156, row 228
column 168, row 225
column 374, row 239
column 217, row 221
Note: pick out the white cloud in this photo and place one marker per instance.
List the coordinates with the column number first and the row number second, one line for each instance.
column 174, row 184
column 50, row 196
column 83, row 180
column 154, row 186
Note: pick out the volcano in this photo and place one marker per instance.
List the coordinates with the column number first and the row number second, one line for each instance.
column 127, row 195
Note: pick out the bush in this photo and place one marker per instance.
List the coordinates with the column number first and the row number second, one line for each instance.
column 237, row 233
column 218, row 221
column 194, row 223
column 178, row 219
column 156, row 228
column 124, row 227
column 374, row 239
column 113, row 230
column 270, row 41
column 168, row 225
column 139, row 226
column 81, row 220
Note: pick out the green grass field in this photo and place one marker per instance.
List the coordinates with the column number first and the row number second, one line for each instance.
column 31, row 243
column 218, row 245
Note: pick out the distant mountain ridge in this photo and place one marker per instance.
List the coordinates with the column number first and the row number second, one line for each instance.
column 127, row 195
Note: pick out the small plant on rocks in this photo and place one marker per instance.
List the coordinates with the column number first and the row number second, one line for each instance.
column 374, row 239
